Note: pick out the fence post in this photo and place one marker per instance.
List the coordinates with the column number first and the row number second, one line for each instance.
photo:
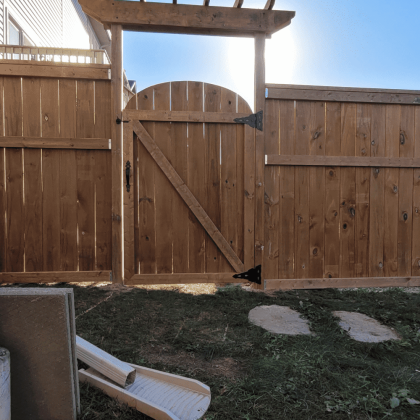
column 259, row 92
column 117, row 167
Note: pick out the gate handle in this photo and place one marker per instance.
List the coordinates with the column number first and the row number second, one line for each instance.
column 127, row 174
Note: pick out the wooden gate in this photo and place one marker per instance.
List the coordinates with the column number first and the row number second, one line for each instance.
column 189, row 192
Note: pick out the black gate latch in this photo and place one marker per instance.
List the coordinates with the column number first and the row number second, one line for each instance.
column 253, row 275
column 254, row 120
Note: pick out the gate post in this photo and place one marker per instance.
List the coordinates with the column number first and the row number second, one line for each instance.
column 259, row 92
column 116, row 146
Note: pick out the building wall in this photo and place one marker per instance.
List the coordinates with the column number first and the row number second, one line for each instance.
column 51, row 23
column 1, row 21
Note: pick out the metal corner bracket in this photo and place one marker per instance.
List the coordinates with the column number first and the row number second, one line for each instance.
column 253, row 275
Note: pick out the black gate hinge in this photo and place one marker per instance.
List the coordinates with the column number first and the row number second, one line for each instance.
column 254, row 120
column 253, row 275
column 119, row 121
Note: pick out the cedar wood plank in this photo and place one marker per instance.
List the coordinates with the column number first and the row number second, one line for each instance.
column 184, row 191
column 302, row 140
column 68, row 180
column 272, row 191
column 146, row 234
column 103, row 177
column 415, row 258
column 405, row 196
column 332, row 191
column 32, row 179
column 85, row 164
column 287, row 193
column 316, row 191
column 392, row 140
column 163, row 189
column 179, row 161
column 14, row 176
column 347, row 192
column 377, row 193
column 196, row 179
column 229, row 186
column 363, row 130
column 212, row 102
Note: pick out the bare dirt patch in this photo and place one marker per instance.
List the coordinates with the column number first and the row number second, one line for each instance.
column 225, row 367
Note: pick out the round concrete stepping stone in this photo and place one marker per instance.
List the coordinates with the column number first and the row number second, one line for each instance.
column 363, row 328
column 279, row 320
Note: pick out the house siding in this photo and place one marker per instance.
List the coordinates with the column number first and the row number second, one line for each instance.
column 1, row 22
column 53, row 23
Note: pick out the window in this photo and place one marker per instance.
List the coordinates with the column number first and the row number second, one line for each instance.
column 16, row 36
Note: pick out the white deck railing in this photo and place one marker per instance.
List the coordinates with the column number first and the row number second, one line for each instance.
column 59, row 55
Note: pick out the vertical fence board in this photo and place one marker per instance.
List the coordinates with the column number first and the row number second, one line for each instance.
column 240, row 165
column 302, row 140
column 415, row 256
column 316, row 191
column 377, row 191
column 363, row 144
column 228, row 175
column 332, row 191
column 146, row 254
column 179, row 162
column 85, row 166
column 163, row 188
column 287, row 193
column 196, row 179
column 272, row 191
column 103, row 178
column 68, row 181
column 32, row 176
column 51, row 176
column 347, row 192
column 14, row 176
column 405, row 196
column 2, row 212
column 393, row 114
column 212, row 100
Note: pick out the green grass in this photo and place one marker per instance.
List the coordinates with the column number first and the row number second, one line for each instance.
column 261, row 375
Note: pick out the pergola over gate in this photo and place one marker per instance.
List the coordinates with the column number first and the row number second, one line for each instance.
column 180, row 19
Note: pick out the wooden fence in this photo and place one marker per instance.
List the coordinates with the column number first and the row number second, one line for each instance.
column 55, row 178
column 342, row 187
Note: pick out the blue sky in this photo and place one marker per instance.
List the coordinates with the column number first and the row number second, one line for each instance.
column 355, row 43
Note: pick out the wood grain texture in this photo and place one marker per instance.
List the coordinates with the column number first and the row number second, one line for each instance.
column 117, row 150
column 55, row 277
column 332, row 191
column 212, row 102
column 32, row 176
column 187, row 19
column 163, row 188
column 103, row 178
column 288, row 284
column 146, row 253
column 14, row 176
column 68, row 179
column 54, row 70
column 188, row 197
column 415, row 256
column 272, row 191
column 259, row 92
column 341, row 94
column 36, row 142
column 181, row 278
column 287, row 193
column 85, row 167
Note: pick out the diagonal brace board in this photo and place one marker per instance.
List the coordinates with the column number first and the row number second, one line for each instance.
column 185, row 193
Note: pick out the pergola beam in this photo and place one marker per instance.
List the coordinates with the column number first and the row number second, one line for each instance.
column 270, row 4
column 187, row 19
column 238, row 3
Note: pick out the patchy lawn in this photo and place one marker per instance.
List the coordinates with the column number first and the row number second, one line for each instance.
column 254, row 374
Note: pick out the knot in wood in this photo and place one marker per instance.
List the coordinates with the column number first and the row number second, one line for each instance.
column 352, row 211
column 316, row 135
column 395, row 189
column 402, row 137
